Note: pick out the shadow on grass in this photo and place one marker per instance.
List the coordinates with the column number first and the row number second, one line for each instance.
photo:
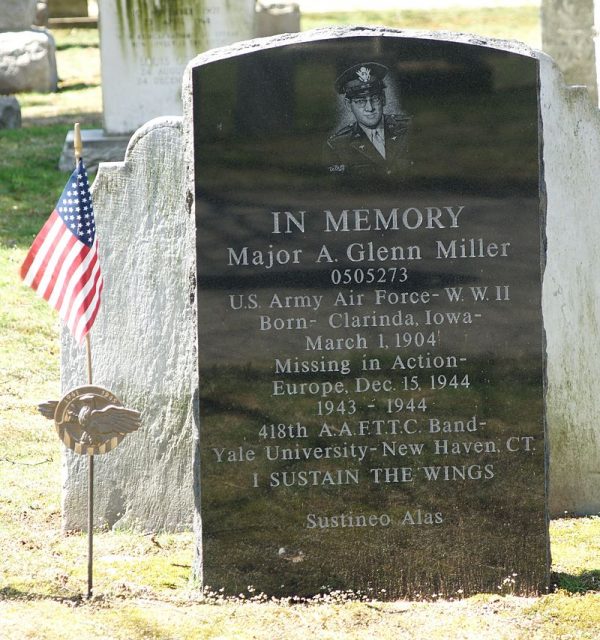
column 77, row 45
column 10, row 593
column 92, row 119
column 577, row 583
column 77, row 86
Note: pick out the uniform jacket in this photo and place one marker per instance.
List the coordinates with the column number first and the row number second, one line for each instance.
column 349, row 151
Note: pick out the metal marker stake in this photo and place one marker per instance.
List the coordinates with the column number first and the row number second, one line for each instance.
column 78, row 147
column 90, row 525
column 90, row 522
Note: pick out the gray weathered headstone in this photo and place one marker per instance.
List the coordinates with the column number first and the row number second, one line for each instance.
column 142, row 341
column 568, row 37
column 10, row 113
column 67, row 8
column 27, row 56
column 27, row 61
column 275, row 18
column 571, row 293
column 17, row 15
column 98, row 147
column 41, row 14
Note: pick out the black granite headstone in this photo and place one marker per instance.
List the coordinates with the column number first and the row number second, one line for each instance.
column 370, row 251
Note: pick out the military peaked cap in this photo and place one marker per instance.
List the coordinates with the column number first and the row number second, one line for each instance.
column 364, row 79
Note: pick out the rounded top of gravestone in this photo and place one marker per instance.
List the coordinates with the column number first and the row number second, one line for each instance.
column 17, row 15
column 337, row 32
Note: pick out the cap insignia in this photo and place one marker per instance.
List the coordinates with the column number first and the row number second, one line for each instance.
column 364, row 74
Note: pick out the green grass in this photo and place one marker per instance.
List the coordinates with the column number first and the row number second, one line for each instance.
column 79, row 96
column 24, row 203
column 142, row 581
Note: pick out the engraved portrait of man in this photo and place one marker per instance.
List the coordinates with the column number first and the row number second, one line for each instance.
column 375, row 142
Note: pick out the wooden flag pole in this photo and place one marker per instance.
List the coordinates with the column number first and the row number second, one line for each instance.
column 78, row 148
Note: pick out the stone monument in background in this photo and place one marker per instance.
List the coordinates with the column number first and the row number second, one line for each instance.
column 144, row 48
column 67, row 8
column 27, row 55
column 274, row 18
column 17, row 15
column 568, row 35
column 41, row 13
column 10, row 113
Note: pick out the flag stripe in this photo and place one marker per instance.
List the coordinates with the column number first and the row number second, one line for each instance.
column 84, row 295
column 80, row 268
column 42, row 245
column 25, row 267
column 83, row 270
column 96, row 284
column 47, row 257
column 83, row 323
column 64, row 274
column 64, row 242
column 88, row 318
column 78, row 301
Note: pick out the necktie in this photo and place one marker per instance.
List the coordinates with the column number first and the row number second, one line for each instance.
column 378, row 142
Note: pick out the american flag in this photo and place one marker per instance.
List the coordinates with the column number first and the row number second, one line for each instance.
column 62, row 264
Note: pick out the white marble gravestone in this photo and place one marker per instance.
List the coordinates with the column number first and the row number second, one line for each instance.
column 145, row 344
column 144, row 53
